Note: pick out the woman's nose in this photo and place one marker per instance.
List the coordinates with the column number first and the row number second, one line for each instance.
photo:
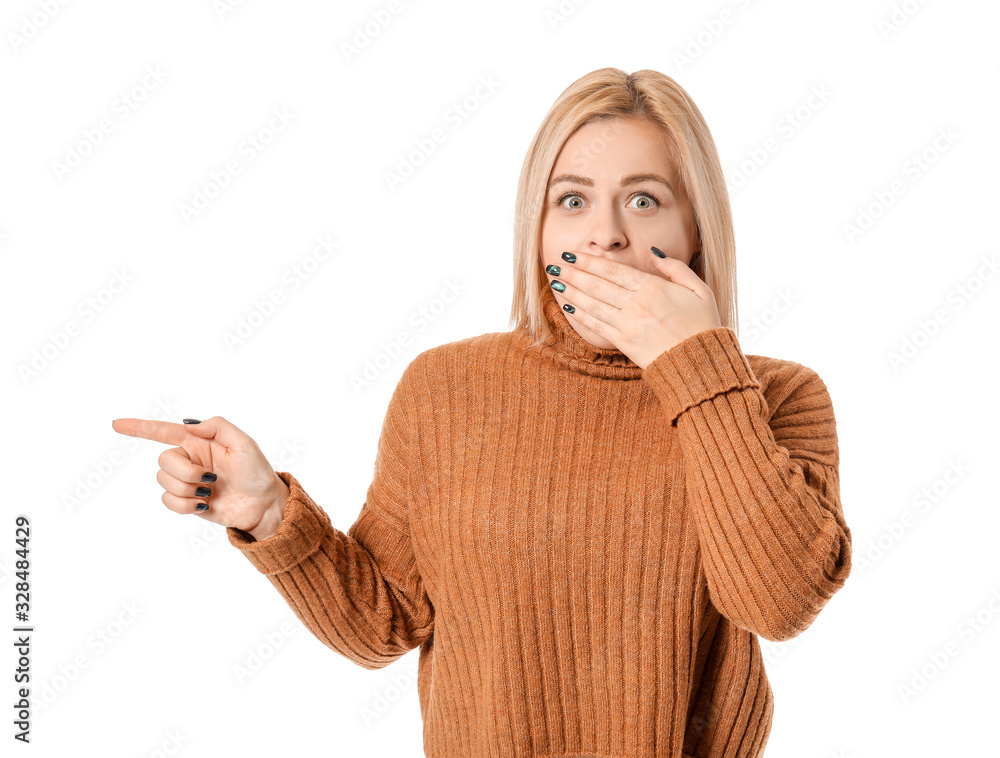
column 607, row 231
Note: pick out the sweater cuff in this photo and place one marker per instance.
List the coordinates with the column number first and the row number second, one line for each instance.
column 297, row 537
column 698, row 368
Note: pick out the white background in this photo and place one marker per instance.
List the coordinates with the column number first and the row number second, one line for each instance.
column 898, row 75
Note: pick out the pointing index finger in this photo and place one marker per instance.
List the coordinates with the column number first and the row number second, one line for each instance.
column 150, row 429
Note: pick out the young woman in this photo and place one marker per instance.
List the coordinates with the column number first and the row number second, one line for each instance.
column 587, row 522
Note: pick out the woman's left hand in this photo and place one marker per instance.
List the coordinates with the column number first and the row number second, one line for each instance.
column 641, row 314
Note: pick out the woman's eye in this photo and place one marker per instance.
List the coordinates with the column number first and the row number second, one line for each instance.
column 648, row 201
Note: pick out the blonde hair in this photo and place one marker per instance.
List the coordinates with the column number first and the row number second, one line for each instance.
column 610, row 93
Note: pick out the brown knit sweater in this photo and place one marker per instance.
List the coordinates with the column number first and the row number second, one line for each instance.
column 584, row 551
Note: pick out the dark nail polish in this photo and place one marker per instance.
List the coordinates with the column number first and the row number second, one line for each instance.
column 209, row 477
column 202, row 506
column 569, row 257
column 202, row 492
column 558, row 286
column 554, row 270
column 191, row 421
column 569, row 308
column 657, row 252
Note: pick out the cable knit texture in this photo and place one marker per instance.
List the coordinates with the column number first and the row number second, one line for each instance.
column 584, row 551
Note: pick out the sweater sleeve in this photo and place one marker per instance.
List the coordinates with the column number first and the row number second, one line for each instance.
column 360, row 592
column 762, row 476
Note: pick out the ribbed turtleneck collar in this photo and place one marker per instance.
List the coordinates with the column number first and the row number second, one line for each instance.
column 567, row 348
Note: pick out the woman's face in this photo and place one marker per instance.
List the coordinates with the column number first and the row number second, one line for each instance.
column 588, row 210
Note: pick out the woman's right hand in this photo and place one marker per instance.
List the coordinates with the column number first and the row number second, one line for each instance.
column 247, row 494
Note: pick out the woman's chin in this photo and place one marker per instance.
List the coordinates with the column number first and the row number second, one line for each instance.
column 593, row 339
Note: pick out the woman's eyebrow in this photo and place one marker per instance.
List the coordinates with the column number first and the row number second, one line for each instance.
column 626, row 180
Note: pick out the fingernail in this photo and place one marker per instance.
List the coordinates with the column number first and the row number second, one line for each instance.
column 569, row 308
column 554, row 270
column 657, row 252
column 191, row 421
column 569, row 257
column 202, row 492
column 558, row 286
column 202, row 506
column 209, row 477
